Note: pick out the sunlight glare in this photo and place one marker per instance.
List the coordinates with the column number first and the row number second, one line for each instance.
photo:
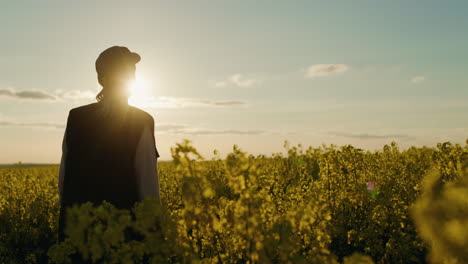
column 138, row 92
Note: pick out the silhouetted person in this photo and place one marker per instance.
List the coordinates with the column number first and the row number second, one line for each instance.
column 109, row 150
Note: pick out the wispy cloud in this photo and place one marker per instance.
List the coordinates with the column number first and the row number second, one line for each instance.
column 75, row 94
column 41, row 95
column 160, row 128
column 184, row 102
column 228, row 131
column 170, row 127
column 149, row 101
column 184, row 129
column 322, row 70
column 368, row 136
column 32, row 94
column 237, row 79
column 418, row 79
column 220, row 84
column 31, row 124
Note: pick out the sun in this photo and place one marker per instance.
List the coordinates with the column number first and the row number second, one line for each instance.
column 138, row 92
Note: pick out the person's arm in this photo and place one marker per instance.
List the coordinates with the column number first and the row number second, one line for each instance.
column 62, row 167
column 146, row 165
column 61, row 177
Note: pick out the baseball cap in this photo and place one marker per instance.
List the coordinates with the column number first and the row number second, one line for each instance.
column 113, row 57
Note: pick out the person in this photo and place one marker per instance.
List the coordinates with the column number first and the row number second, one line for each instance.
column 109, row 150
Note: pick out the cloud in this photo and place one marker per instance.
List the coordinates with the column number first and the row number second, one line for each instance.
column 418, row 79
column 170, row 127
column 322, row 70
column 164, row 128
column 227, row 103
column 76, row 94
column 32, row 94
column 220, row 84
column 236, row 79
column 228, row 131
column 184, row 102
column 31, row 124
column 35, row 94
column 149, row 101
column 239, row 80
column 368, row 136
column 160, row 128
column 184, row 129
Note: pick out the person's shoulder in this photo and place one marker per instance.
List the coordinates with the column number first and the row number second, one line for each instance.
column 83, row 108
column 142, row 114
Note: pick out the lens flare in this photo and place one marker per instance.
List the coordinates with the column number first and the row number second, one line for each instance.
column 372, row 189
column 371, row 186
column 138, row 92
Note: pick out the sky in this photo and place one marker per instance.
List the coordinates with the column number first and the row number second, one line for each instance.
column 251, row 73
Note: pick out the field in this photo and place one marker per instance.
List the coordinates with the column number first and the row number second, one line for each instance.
column 317, row 205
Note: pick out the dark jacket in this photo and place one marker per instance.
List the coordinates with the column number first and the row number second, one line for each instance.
column 100, row 157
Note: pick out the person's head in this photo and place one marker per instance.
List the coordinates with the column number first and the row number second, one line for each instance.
column 115, row 69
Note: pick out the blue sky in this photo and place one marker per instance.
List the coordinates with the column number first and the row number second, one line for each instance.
column 252, row 73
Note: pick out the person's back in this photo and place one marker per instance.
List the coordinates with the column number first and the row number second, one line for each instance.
column 101, row 156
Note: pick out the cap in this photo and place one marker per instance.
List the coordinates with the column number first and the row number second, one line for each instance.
column 113, row 57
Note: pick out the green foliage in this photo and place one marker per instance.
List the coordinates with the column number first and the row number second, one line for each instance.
column 357, row 258
column 104, row 234
column 441, row 213
column 28, row 214
column 320, row 205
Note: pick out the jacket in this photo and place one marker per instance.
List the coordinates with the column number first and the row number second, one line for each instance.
column 107, row 159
